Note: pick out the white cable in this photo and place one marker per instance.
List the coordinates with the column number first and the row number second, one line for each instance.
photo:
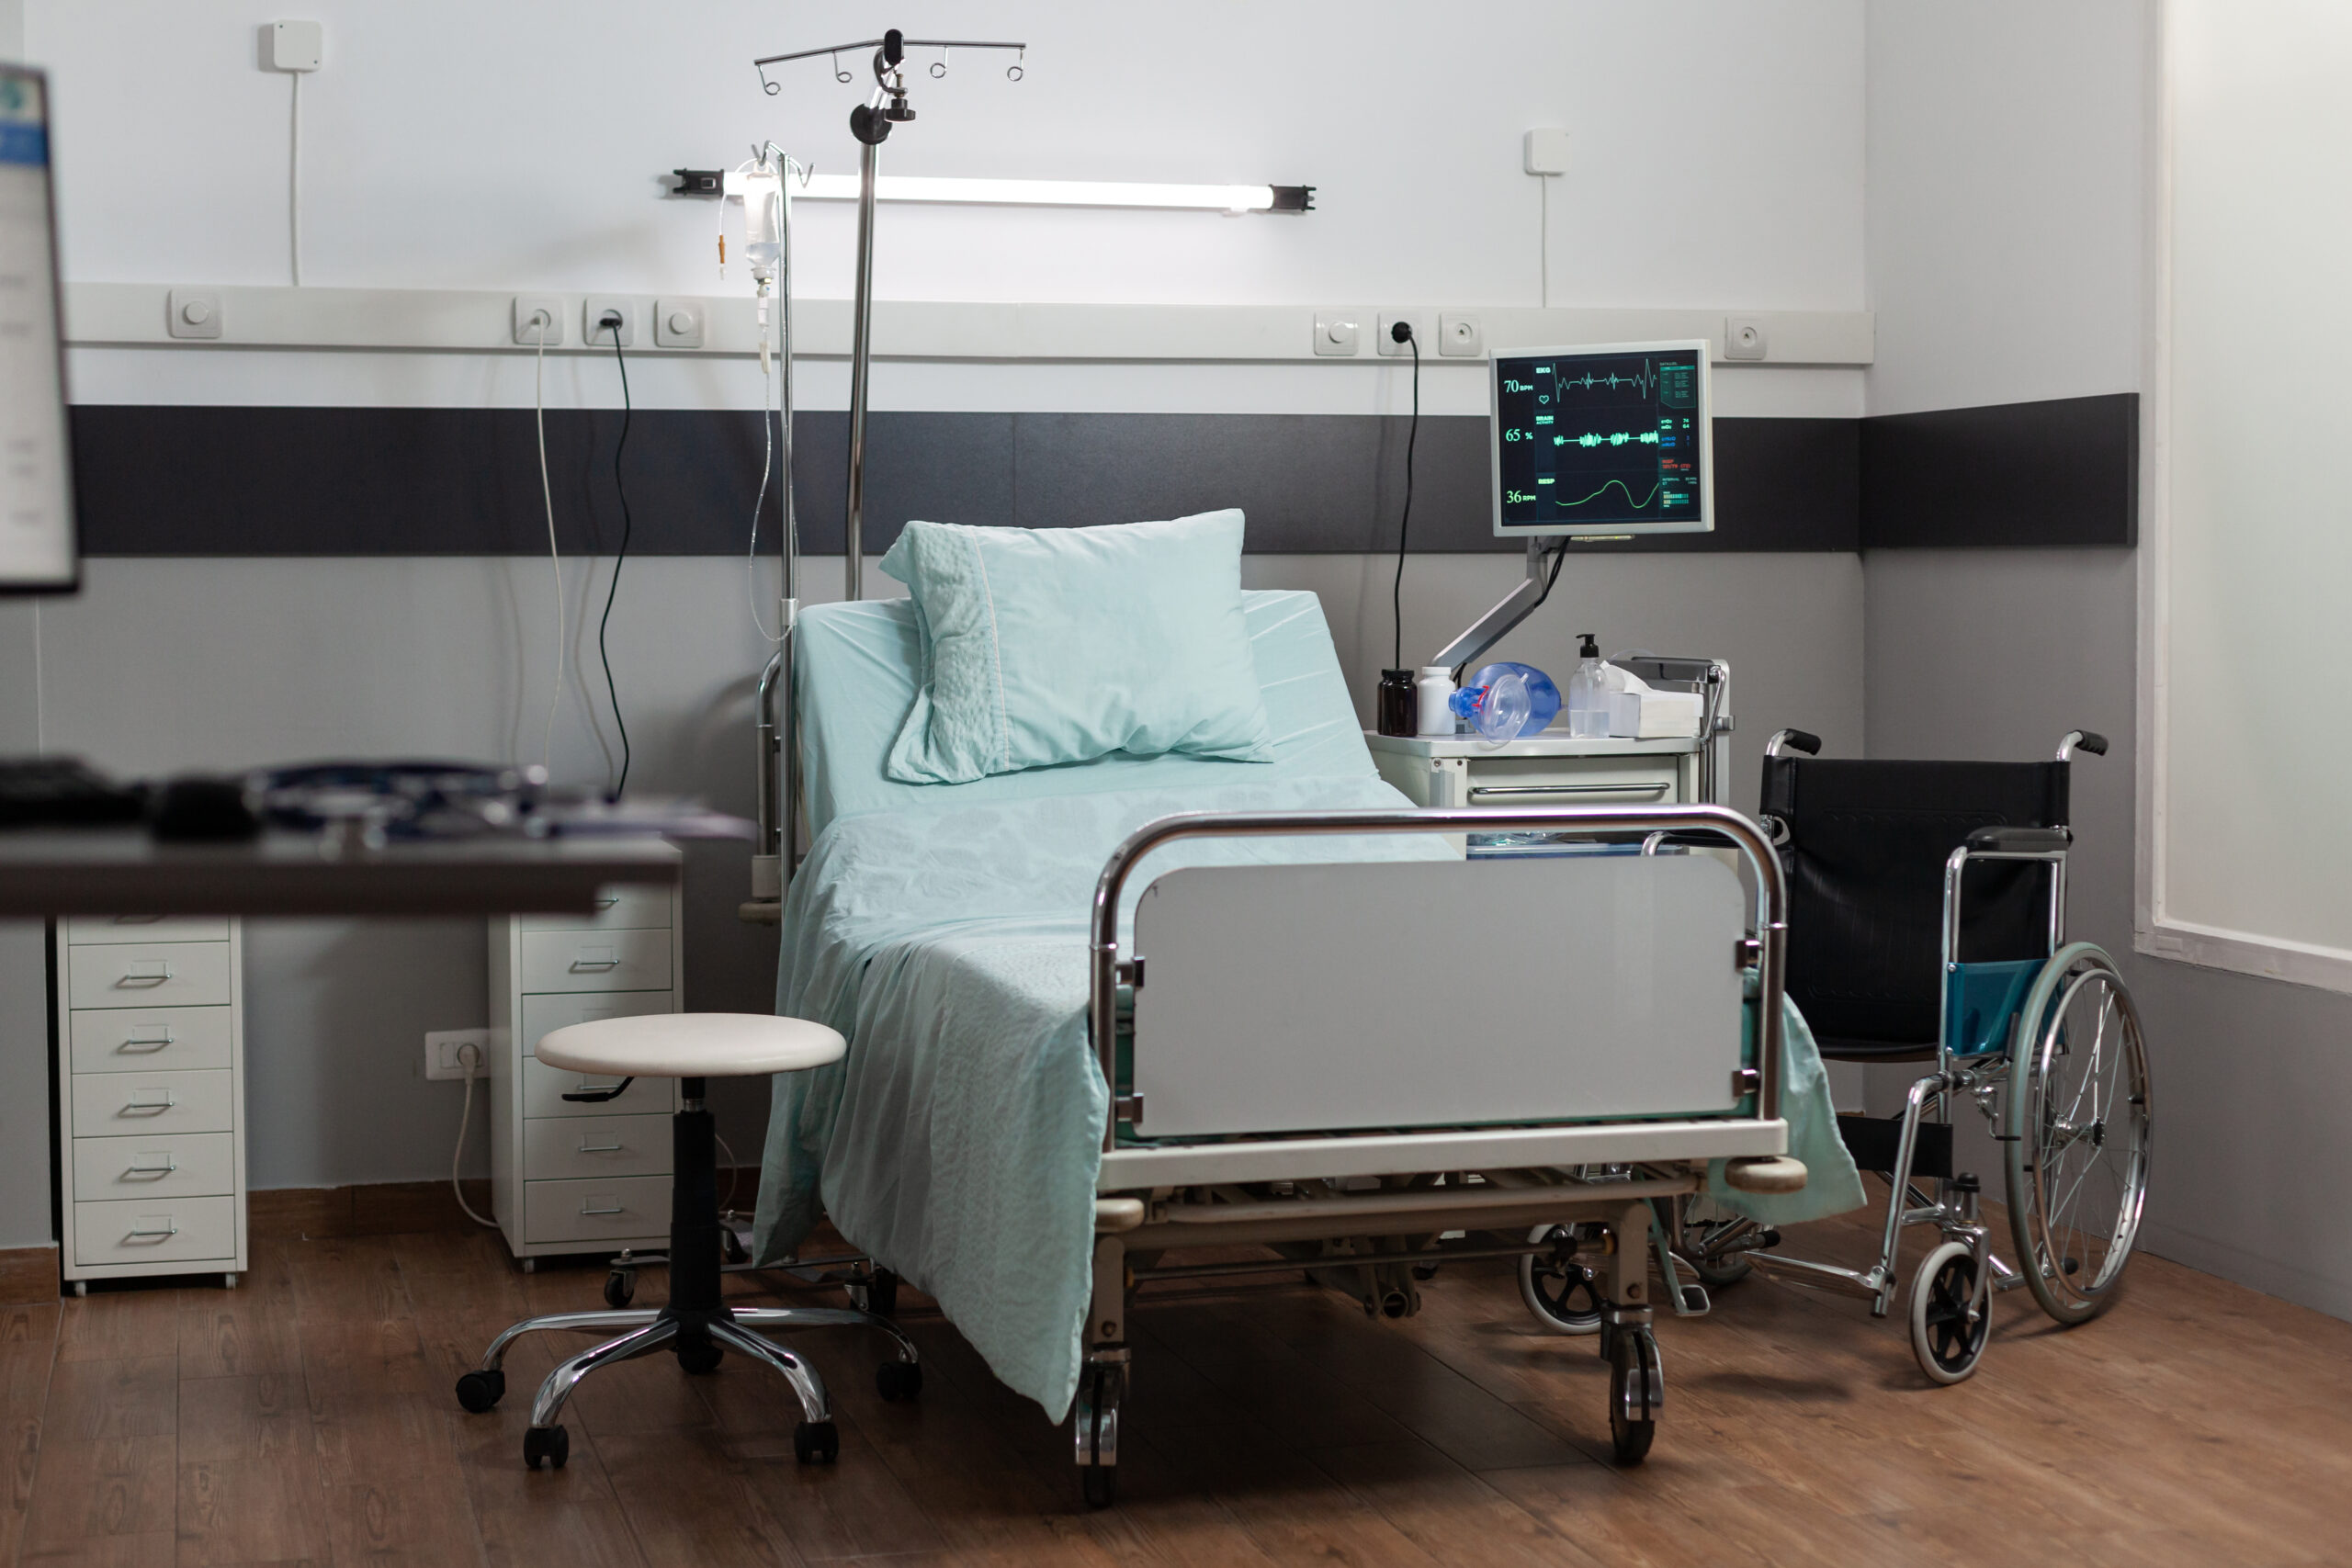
column 555, row 555
column 471, row 1056
column 1543, row 244
column 294, row 182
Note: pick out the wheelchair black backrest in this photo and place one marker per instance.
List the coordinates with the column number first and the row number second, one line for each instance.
column 1865, row 861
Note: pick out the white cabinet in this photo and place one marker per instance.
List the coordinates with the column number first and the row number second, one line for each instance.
column 151, row 1099
column 568, row 1176
column 1540, row 770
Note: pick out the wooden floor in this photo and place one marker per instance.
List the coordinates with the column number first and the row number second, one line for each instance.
column 308, row 1417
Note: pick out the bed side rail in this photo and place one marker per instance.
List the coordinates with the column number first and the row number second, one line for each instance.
column 1740, row 832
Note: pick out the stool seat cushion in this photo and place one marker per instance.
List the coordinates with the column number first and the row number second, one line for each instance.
column 690, row 1046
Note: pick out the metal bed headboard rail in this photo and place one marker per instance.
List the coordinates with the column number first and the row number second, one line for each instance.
column 1772, row 895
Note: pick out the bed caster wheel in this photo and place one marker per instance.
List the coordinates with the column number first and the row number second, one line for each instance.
column 816, row 1442
column 480, row 1391
column 1949, row 1330
column 552, row 1445
column 1635, row 1382
column 1564, row 1295
column 895, row 1381
column 698, row 1357
column 1099, row 1484
column 620, row 1287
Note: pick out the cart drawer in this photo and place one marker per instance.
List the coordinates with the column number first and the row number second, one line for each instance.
column 595, row 961
column 628, row 1208
column 1571, row 781
column 173, row 1230
column 147, row 974
column 562, row 1009
column 146, row 1105
column 558, row 1148
column 147, row 1171
column 618, row 909
column 545, row 1086
column 150, row 1040
column 83, row 929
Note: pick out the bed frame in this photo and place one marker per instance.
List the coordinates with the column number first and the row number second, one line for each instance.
column 1207, row 1141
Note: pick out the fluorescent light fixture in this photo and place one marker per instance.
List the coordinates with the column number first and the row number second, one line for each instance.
column 1232, row 199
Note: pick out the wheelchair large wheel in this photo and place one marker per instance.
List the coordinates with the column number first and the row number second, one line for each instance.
column 1562, row 1293
column 2078, row 1123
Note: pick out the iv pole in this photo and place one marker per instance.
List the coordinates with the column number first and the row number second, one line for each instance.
column 776, row 739
column 871, row 123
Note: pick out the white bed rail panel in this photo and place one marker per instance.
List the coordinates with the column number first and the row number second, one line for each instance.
column 1280, row 999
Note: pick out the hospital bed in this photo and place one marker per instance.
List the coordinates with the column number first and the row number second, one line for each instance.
column 1102, row 1014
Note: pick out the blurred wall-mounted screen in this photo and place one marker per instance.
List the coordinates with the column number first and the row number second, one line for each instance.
column 38, row 551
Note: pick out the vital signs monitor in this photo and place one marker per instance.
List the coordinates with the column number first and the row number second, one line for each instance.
column 1609, row 439
column 37, row 551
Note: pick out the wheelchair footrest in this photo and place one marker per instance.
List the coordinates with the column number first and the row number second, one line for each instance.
column 1874, row 1141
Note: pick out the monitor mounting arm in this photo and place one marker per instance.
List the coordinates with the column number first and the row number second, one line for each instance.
column 1515, row 606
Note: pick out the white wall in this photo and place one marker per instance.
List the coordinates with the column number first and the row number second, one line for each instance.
column 2025, row 279
column 518, row 146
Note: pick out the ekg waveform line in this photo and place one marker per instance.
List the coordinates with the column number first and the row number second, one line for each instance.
column 1620, row 484
column 1645, row 383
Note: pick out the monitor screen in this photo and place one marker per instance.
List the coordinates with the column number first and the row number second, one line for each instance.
column 37, row 551
column 1611, row 439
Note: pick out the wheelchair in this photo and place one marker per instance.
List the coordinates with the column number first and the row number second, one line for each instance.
column 1914, row 888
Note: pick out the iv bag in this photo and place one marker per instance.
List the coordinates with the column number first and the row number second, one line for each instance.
column 763, row 222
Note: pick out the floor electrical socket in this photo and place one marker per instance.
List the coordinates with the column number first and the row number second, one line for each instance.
column 441, row 1052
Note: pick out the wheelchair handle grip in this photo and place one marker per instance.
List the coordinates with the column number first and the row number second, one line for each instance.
column 2087, row 740
column 1803, row 740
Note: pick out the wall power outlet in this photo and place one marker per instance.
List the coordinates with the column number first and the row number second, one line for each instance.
column 441, row 1052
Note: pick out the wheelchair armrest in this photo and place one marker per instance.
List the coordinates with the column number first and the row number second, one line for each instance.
column 2027, row 839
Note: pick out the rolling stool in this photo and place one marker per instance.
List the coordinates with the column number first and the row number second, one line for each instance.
column 698, row 1322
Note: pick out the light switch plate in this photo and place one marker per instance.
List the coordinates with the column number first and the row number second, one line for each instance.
column 295, row 46
column 193, row 312
column 1459, row 337
column 1339, row 333
column 677, row 324
column 527, row 329
column 1545, row 153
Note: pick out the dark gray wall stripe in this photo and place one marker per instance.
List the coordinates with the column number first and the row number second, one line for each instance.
column 2064, row 472
column 334, row 481
column 309, row 481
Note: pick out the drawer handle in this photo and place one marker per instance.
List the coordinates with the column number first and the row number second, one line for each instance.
column 139, row 1041
column 588, row 1213
column 595, row 958
column 164, row 1169
column 145, row 973
column 147, row 1232
column 588, row 1148
column 149, row 1107
column 608, row 900
column 1647, row 790
column 136, row 919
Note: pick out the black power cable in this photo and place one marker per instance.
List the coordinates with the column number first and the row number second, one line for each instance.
column 1402, row 332
column 612, row 320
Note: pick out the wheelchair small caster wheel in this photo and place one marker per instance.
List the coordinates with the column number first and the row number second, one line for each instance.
column 480, row 1392
column 1949, row 1330
column 620, row 1287
column 1563, row 1294
column 816, row 1442
column 696, row 1357
column 1099, row 1484
column 894, row 1381
column 1634, row 1371
column 552, row 1445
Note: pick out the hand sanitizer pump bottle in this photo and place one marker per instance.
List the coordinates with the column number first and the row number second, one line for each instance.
column 1587, row 694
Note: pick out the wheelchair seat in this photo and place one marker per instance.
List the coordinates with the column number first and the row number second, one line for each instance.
column 1864, row 851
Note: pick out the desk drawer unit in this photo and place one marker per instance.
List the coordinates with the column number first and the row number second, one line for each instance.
column 568, row 1177
column 150, row 1096
column 151, row 1040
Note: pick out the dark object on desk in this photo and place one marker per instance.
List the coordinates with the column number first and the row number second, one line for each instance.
column 202, row 808
column 1397, row 702
column 64, row 791
column 427, row 799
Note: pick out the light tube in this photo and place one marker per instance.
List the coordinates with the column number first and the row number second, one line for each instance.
column 1233, row 199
